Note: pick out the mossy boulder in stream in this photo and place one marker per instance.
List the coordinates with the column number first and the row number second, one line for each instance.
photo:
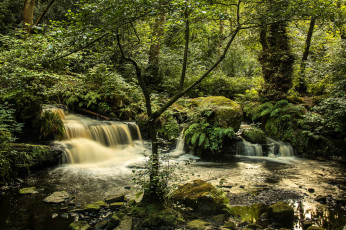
column 95, row 207
column 282, row 213
column 223, row 111
column 197, row 225
column 26, row 191
column 203, row 197
column 79, row 225
column 254, row 135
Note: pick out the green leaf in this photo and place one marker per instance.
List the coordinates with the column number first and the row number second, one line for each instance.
column 201, row 139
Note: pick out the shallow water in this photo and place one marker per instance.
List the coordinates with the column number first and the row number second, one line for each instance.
column 247, row 180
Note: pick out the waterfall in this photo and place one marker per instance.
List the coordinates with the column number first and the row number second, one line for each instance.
column 179, row 148
column 246, row 148
column 279, row 148
column 89, row 141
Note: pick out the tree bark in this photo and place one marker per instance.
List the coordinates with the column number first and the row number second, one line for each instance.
column 44, row 12
column 28, row 14
column 186, row 49
column 301, row 86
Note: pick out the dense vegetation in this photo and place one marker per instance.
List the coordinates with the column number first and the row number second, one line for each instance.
column 283, row 61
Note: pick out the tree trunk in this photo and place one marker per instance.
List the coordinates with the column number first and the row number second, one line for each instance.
column 44, row 12
column 186, row 49
column 301, row 86
column 276, row 60
column 28, row 14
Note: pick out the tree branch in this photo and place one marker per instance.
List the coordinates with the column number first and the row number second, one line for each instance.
column 163, row 108
column 187, row 40
column 44, row 12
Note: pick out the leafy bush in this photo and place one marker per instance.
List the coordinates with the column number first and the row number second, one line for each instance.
column 206, row 137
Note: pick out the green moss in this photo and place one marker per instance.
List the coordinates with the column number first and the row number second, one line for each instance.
column 202, row 197
column 197, row 225
column 282, row 213
column 315, row 228
column 29, row 190
column 94, row 207
column 79, row 225
column 117, row 205
column 254, row 135
column 113, row 222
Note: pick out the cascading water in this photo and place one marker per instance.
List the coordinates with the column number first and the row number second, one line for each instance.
column 246, row 148
column 89, row 141
column 279, row 148
column 179, row 149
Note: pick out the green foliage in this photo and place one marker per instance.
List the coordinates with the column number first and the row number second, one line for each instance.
column 51, row 126
column 206, row 137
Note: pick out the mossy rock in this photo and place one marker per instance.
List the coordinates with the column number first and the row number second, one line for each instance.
column 254, row 135
column 315, row 228
column 226, row 112
column 113, row 222
column 116, row 205
column 230, row 225
column 203, row 197
column 26, row 191
column 94, row 207
column 79, row 225
column 282, row 213
column 197, row 225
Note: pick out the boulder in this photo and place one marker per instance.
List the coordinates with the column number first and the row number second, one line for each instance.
column 95, row 207
column 282, row 213
column 26, row 191
column 57, row 197
column 224, row 111
column 113, row 222
column 79, row 225
column 115, row 198
column 197, row 225
column 254, row 135
column 203, row 197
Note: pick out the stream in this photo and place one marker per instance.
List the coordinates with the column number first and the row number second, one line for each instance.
column 100, row 160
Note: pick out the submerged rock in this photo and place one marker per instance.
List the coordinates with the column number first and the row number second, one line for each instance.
column 57, row 197
column 79, row 225
column 197, row 225
column 282, row 213
column 203, row 197
column 26, row 191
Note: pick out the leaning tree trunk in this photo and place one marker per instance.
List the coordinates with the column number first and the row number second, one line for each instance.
column 301, row 86
column 28, row 14
column 276, row 60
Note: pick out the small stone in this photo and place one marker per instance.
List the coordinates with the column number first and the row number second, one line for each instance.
column 79, row 225
column 127, row 187
column 55, row 215
column 29, row 190
column 300, row 186
column 64, row 215
column 19, row 180
column 242, row 186
column 311, row 190
column 57, row 197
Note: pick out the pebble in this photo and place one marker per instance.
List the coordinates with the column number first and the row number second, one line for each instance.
column 54, row 215
column 311, row 190
column 64, row 215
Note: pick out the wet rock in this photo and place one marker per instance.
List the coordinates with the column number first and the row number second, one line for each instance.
column 95, row 207
column 321, row 199
column 79, row 225
column 203, row 197
column 219, row 218
column 4, row 188
column 57, row 197
column 306, row 224
column 254, row 135
column 282, row 213
column 64, row 215
column 311, row 190
column 77, row 210
column 315, row 228
column 230, row 225
column 264, row 216
column 115, row 198
column 55, row 215
column 19, row 180
column 101, row 225
column 197, row 225
column 26, row 191
column 243, row 224
column 113, row 222
column 116, row 205
column 253, row 226
column 125, row 224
